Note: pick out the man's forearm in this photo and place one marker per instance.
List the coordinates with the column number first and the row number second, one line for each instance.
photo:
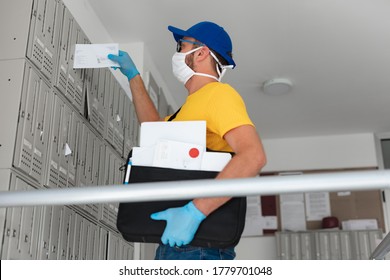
column 240, row 166
column 209, row 205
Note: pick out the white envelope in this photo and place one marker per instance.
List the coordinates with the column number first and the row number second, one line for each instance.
column 181, row 131
column 143, row 156
column 178, row 155
column 94, row 55
column 214, row 161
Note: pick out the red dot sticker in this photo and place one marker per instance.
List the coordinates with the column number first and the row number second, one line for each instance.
column 194, row 152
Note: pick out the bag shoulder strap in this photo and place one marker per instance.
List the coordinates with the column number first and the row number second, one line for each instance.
column 174, row 115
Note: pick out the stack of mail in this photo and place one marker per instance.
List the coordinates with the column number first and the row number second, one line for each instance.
column 179, row 145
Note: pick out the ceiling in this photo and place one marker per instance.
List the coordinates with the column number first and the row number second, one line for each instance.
column 336, row 53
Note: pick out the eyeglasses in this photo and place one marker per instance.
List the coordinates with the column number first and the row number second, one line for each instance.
column 178, row 46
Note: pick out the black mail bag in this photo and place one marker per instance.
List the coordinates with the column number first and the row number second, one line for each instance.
column 221, row 229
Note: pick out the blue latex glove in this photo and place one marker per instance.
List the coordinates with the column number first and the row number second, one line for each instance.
column 182, row 224
column 127, row 65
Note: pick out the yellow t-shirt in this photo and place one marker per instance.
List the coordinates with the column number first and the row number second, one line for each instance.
column 221, row 107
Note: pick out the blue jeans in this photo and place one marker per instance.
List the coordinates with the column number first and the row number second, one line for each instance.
column 165, row 252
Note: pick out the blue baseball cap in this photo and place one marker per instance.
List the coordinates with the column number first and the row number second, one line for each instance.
column 210, row 34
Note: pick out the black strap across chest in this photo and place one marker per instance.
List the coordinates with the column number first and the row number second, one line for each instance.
column 174, row 115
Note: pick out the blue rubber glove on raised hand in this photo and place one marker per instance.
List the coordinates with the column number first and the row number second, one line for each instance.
column 182, row 224
column 127, row 65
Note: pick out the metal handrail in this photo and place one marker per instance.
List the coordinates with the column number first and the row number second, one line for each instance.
column 138, row 192
column 268, row 185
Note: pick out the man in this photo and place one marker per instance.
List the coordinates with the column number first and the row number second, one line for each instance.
column 204, row 53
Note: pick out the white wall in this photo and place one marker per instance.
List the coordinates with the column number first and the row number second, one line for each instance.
column 325, row 152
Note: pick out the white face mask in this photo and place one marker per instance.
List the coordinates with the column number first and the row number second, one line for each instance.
column 182, row 71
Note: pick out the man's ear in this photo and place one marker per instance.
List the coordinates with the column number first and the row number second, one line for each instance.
column 203, row 53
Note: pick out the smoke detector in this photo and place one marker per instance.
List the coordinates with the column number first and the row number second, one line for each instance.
column 277, row 86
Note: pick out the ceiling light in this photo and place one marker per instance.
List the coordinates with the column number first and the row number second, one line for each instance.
column 277, row 86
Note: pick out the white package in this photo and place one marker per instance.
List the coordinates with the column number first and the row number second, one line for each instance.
column 180, row 131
